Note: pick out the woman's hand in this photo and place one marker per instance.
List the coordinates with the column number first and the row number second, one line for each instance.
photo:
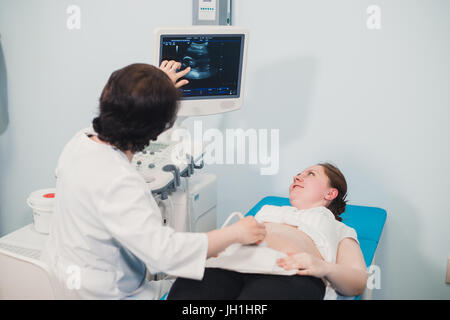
column 170, row 68
column 307, row 264
column 249, row 231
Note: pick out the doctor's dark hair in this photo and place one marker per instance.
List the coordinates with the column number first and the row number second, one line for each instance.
column 137, row 103
column 336, row 180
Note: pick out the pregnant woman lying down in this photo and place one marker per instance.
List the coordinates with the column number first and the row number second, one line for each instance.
column 307, row 252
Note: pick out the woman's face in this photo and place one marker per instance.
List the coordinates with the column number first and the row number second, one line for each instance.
column 310, row 189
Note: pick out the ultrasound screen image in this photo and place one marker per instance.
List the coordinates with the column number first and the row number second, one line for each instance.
column 215, row 61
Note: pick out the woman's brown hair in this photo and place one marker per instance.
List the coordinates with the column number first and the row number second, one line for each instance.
column 337, row 181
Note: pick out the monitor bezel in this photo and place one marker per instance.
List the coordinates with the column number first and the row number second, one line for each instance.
column 193, row 106
column 242, row 44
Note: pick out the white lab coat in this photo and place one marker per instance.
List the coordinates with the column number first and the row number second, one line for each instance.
column 107, row 228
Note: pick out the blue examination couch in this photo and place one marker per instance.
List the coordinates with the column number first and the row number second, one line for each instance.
column 367, row 221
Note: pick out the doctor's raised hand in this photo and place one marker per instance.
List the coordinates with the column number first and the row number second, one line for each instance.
column 170, row 68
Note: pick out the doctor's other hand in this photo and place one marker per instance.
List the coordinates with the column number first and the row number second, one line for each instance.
column 245, row 231
column 249, row 231
column 170, row 68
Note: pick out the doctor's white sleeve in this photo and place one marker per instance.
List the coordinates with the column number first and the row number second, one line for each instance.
column 130, row 213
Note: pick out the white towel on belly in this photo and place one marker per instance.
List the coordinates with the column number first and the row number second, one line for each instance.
column 249, row 259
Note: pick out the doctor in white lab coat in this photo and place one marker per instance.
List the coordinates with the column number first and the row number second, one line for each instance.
column 107, row 228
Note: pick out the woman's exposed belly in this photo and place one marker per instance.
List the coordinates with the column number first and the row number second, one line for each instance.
column 287, row 239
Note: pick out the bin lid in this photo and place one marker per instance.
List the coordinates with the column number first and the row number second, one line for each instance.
column 44, row 198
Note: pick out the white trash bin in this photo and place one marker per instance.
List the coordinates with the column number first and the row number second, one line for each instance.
column 42, row 203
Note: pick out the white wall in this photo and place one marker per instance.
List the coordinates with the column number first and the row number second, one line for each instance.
column 375, row 103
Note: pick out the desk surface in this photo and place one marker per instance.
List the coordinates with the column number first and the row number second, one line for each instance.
column 24, row 242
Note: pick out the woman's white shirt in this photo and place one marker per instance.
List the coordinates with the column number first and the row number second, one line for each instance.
column 318, row 223
column 108, row 226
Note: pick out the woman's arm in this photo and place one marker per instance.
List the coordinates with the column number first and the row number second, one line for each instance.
column 348, row 275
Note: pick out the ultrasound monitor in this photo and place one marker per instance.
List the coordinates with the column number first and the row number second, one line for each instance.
column 217, row 57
